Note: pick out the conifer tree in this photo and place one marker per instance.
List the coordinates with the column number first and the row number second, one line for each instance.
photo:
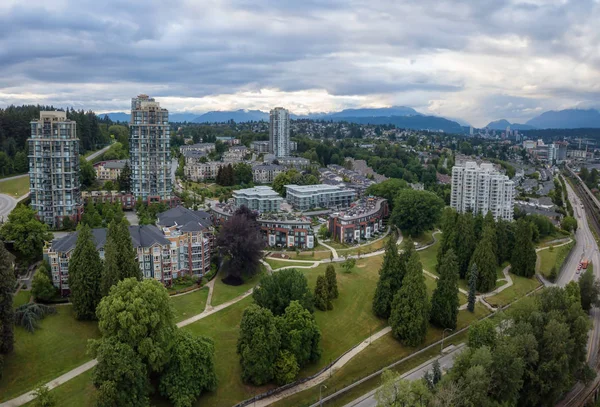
column 119, row 256
column 465, row 242
column 486, row 260
column 7, row 313
column 410, row 308
column 85, row 272
column 523, row 257
column 391, row 275
column 448, row 239
column 331, row 277
column 445, row 302
column 322, row 300
column 472, row 288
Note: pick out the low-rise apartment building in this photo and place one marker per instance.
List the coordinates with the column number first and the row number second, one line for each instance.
column 200, row 171
column 109, row 170
column 266, row 173
column 260, row 147
column 236, row 153
column 306, row 197
column 361, row 221
column 202, row 147
column 261, row 199
column 278, row 230
column 180, row 246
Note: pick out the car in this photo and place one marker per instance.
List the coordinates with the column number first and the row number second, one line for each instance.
column 579, row 266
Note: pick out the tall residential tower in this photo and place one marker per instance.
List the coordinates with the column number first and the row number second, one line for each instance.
column 481, row 188
column 279, row 132
column 149, row 150
column 54, row 168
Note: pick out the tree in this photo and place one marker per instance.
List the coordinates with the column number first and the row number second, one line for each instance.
column 124, row 178
column 482, row 333
column 472, row 288
column 448, row 239
column 119, row 256
column 43, row 397
column 26, row 232
column 7, row 313
column 331, row 278
column 445, row 302
column 324, row 232
column 190, row 371
column 85, row 273
column 322, row 300
column 486, row 260
column 139, row 314
column 240, row 239
column 286, row 368
column 29, row 315
column 41, row 286
column 569, row 224
column 589, row 289
column 348, row 265
column 434, row 376
column 108, row 186
column 242, row 173
column 280, row 181
column 388, row 189
column 505, row 235
column 524, row 257
column 300, row 333
column 465, row 242
column 276, row 291
column 87, row 173
column 416, row 211
column 410, row 309
column 394, row 392
column 391, row 274
column 120, row 376
column 258, row 345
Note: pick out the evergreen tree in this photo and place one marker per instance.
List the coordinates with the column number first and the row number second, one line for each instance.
column 119, row 256
column 331, row 277
column 85, row 272
column 445, row 302
column 505, row 238
column 465, row 242
column 472, row 288
column 124, row 179
column 486, row 260
column 7, row 313
column 448, row 239
column 322, row 300
column 410, row 308
column 523, row 257
column 391, row 275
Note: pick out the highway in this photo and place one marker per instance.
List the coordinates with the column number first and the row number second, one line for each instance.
column 7, row 202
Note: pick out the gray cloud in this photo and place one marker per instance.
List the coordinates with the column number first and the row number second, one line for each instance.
column 479, row 60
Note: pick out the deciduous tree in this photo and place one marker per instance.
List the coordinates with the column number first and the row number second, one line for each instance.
column 589, row 289
column 41, row 286
column 26, row 232
column 278, row 290
column 416, row 211
column 85, row 273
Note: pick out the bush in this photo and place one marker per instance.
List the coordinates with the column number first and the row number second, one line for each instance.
column 41, row 286
column 553, row 274
column 286, row 368
column 29, row 315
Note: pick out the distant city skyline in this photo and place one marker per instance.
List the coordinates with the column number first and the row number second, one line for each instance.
column 474, row 61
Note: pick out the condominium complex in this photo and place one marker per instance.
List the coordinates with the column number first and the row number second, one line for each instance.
column 279, row 132
column 109, row 170
column 362, row 221
column 54, row 168
column 306, row 197
column 262, row 199
column 480, row 188
column 149, row 150
column 181, row 245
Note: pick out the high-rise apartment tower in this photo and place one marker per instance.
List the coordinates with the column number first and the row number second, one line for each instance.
column 482, row 188
column 149, row 150
column 279, row 132
column 54, row 168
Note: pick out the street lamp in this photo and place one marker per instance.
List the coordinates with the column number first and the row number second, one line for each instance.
column 320, row 395
column 443, row 334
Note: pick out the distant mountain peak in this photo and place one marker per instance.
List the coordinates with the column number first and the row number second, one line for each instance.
column 567, row 119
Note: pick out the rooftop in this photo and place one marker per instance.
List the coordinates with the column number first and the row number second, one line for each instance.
column 113, row 164
column 189, row 220
column 362, row 207
column 315, row 188
column 260, row 191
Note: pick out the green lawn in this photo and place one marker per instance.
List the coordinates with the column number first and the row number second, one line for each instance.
column 308, row 255
column 367, row 248
column 276, row 263
column 15, row 187
column 429, row 257
column 554, row 257
column 424, row 238
column 59, row 345
column 223, row 292
column 21, row 298
column 77, row 392
column 188, row 305
column 520, row 287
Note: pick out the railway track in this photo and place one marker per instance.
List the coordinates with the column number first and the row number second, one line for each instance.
column 590, row 206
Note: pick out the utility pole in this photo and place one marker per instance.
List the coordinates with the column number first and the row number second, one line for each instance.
column 443, row 334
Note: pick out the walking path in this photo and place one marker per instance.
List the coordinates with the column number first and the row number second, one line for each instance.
column 335, row 253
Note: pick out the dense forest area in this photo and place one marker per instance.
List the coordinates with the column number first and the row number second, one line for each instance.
column 15, row 129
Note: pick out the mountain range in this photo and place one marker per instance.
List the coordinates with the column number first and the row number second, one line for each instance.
column 400, row 116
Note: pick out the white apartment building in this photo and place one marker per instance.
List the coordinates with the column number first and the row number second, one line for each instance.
column 306, row 197
column 482, row 188
column 279, row 132
column 261, row 198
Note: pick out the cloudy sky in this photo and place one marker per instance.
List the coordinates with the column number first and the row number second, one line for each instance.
column 478, row 60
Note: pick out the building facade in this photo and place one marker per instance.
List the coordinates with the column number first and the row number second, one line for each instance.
column 260, row 147
column 180, row 246
column 261, row 199
column 279, row 132
column 480, row 188
column 306, row 197
column 236, row 153
column 109, row 170
column 149, row 150
column 54, row 169
column 266, row 173
column 361, row 221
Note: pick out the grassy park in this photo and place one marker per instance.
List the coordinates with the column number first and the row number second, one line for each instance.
column 188, row 305
column 223, row 292
column 21, row 298
column 276, row 263
column 520, row 287
column 16, row 187
column 553, row 257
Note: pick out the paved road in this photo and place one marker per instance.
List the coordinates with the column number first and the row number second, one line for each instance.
column 7, row 202
column 446, row 362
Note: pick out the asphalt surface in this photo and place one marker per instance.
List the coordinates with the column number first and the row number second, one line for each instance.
column 446, row 362
column 7, row 202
